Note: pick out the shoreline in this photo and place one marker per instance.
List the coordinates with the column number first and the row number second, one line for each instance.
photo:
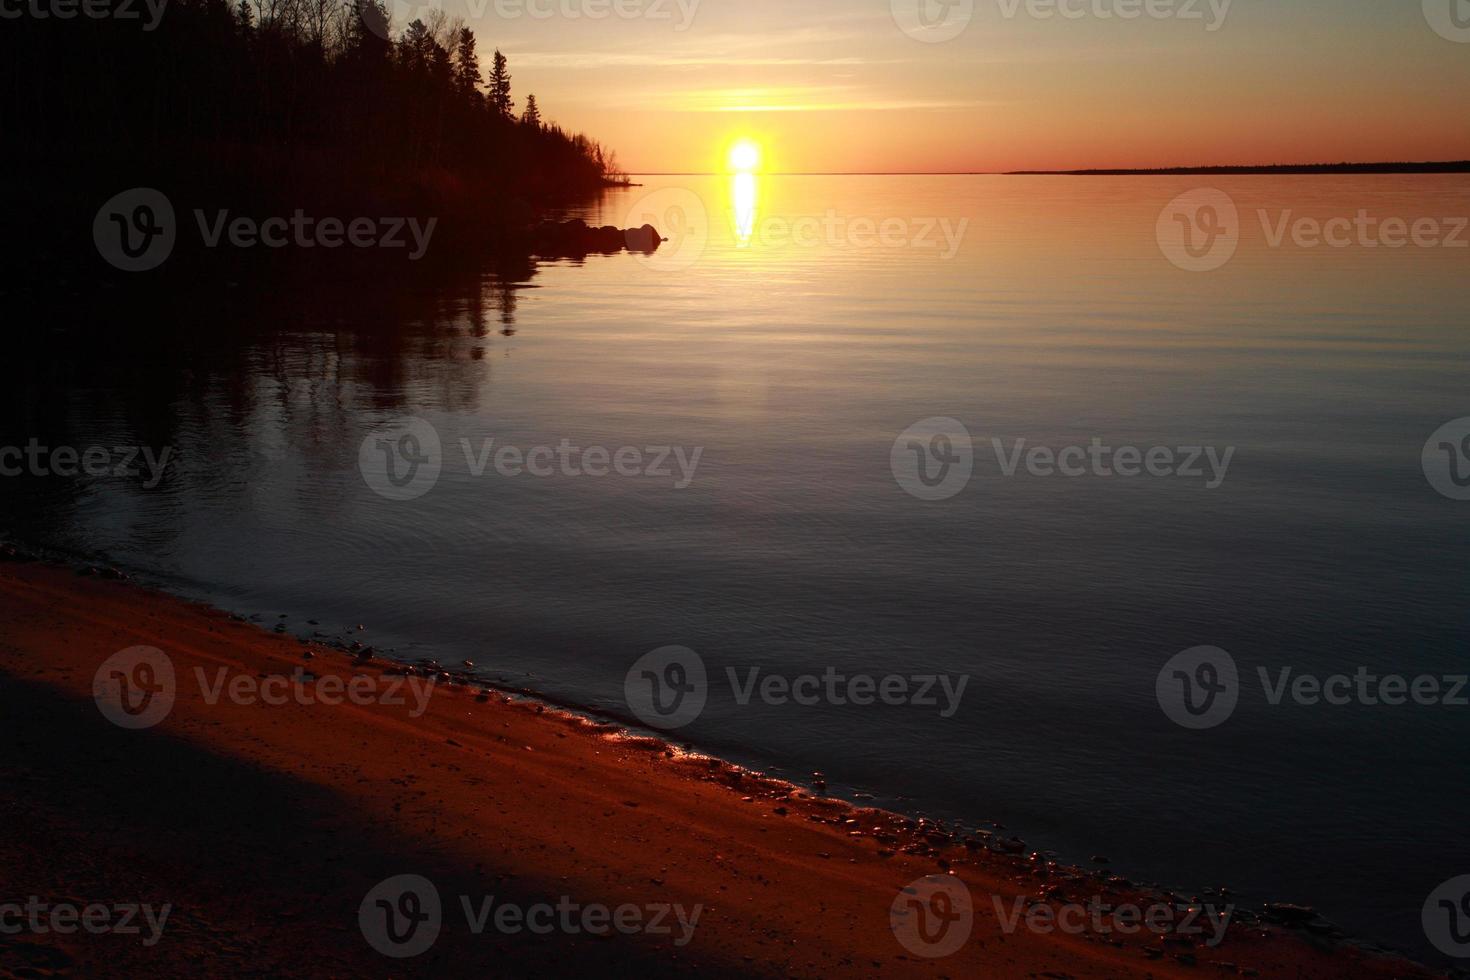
column 488, row 793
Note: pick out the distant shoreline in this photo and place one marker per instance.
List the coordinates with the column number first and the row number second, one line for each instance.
column 1446, row 167
column 1449, row 167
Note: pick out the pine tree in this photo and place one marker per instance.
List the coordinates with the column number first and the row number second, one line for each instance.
column 532, row 115
column 466, row 63
column 247, row 18
column 415, row 47
column 441, row 68
column 368, row 35
column 500, row 99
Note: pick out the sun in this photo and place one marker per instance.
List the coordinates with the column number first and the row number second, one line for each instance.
column 745, row 156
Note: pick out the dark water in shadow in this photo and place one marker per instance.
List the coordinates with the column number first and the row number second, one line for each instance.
column 793, row 366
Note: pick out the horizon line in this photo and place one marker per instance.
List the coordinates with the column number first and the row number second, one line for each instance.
column 1462, row 165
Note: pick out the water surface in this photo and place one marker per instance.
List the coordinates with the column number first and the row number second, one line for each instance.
column 793, row 366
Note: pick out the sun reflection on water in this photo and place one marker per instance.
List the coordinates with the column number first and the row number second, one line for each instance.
column 743, row 195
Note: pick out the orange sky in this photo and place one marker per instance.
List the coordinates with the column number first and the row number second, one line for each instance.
column 825, row 85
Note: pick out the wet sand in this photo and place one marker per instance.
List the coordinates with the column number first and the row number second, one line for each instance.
column 264, row 826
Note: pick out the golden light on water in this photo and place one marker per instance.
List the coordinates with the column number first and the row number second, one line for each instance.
column 744, row 161
column 742, row 206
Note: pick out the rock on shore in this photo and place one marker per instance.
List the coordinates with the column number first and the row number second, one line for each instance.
column 575, row 237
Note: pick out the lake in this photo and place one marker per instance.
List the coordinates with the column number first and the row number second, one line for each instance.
column 746, row 393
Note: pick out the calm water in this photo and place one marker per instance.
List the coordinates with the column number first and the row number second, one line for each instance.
column 793, row 366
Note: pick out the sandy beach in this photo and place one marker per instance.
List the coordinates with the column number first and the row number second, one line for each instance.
column 265, row 806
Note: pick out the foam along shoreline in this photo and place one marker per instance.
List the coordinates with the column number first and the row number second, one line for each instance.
column 270, row 803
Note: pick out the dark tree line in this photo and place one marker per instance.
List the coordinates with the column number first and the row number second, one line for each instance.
column 286, row 102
